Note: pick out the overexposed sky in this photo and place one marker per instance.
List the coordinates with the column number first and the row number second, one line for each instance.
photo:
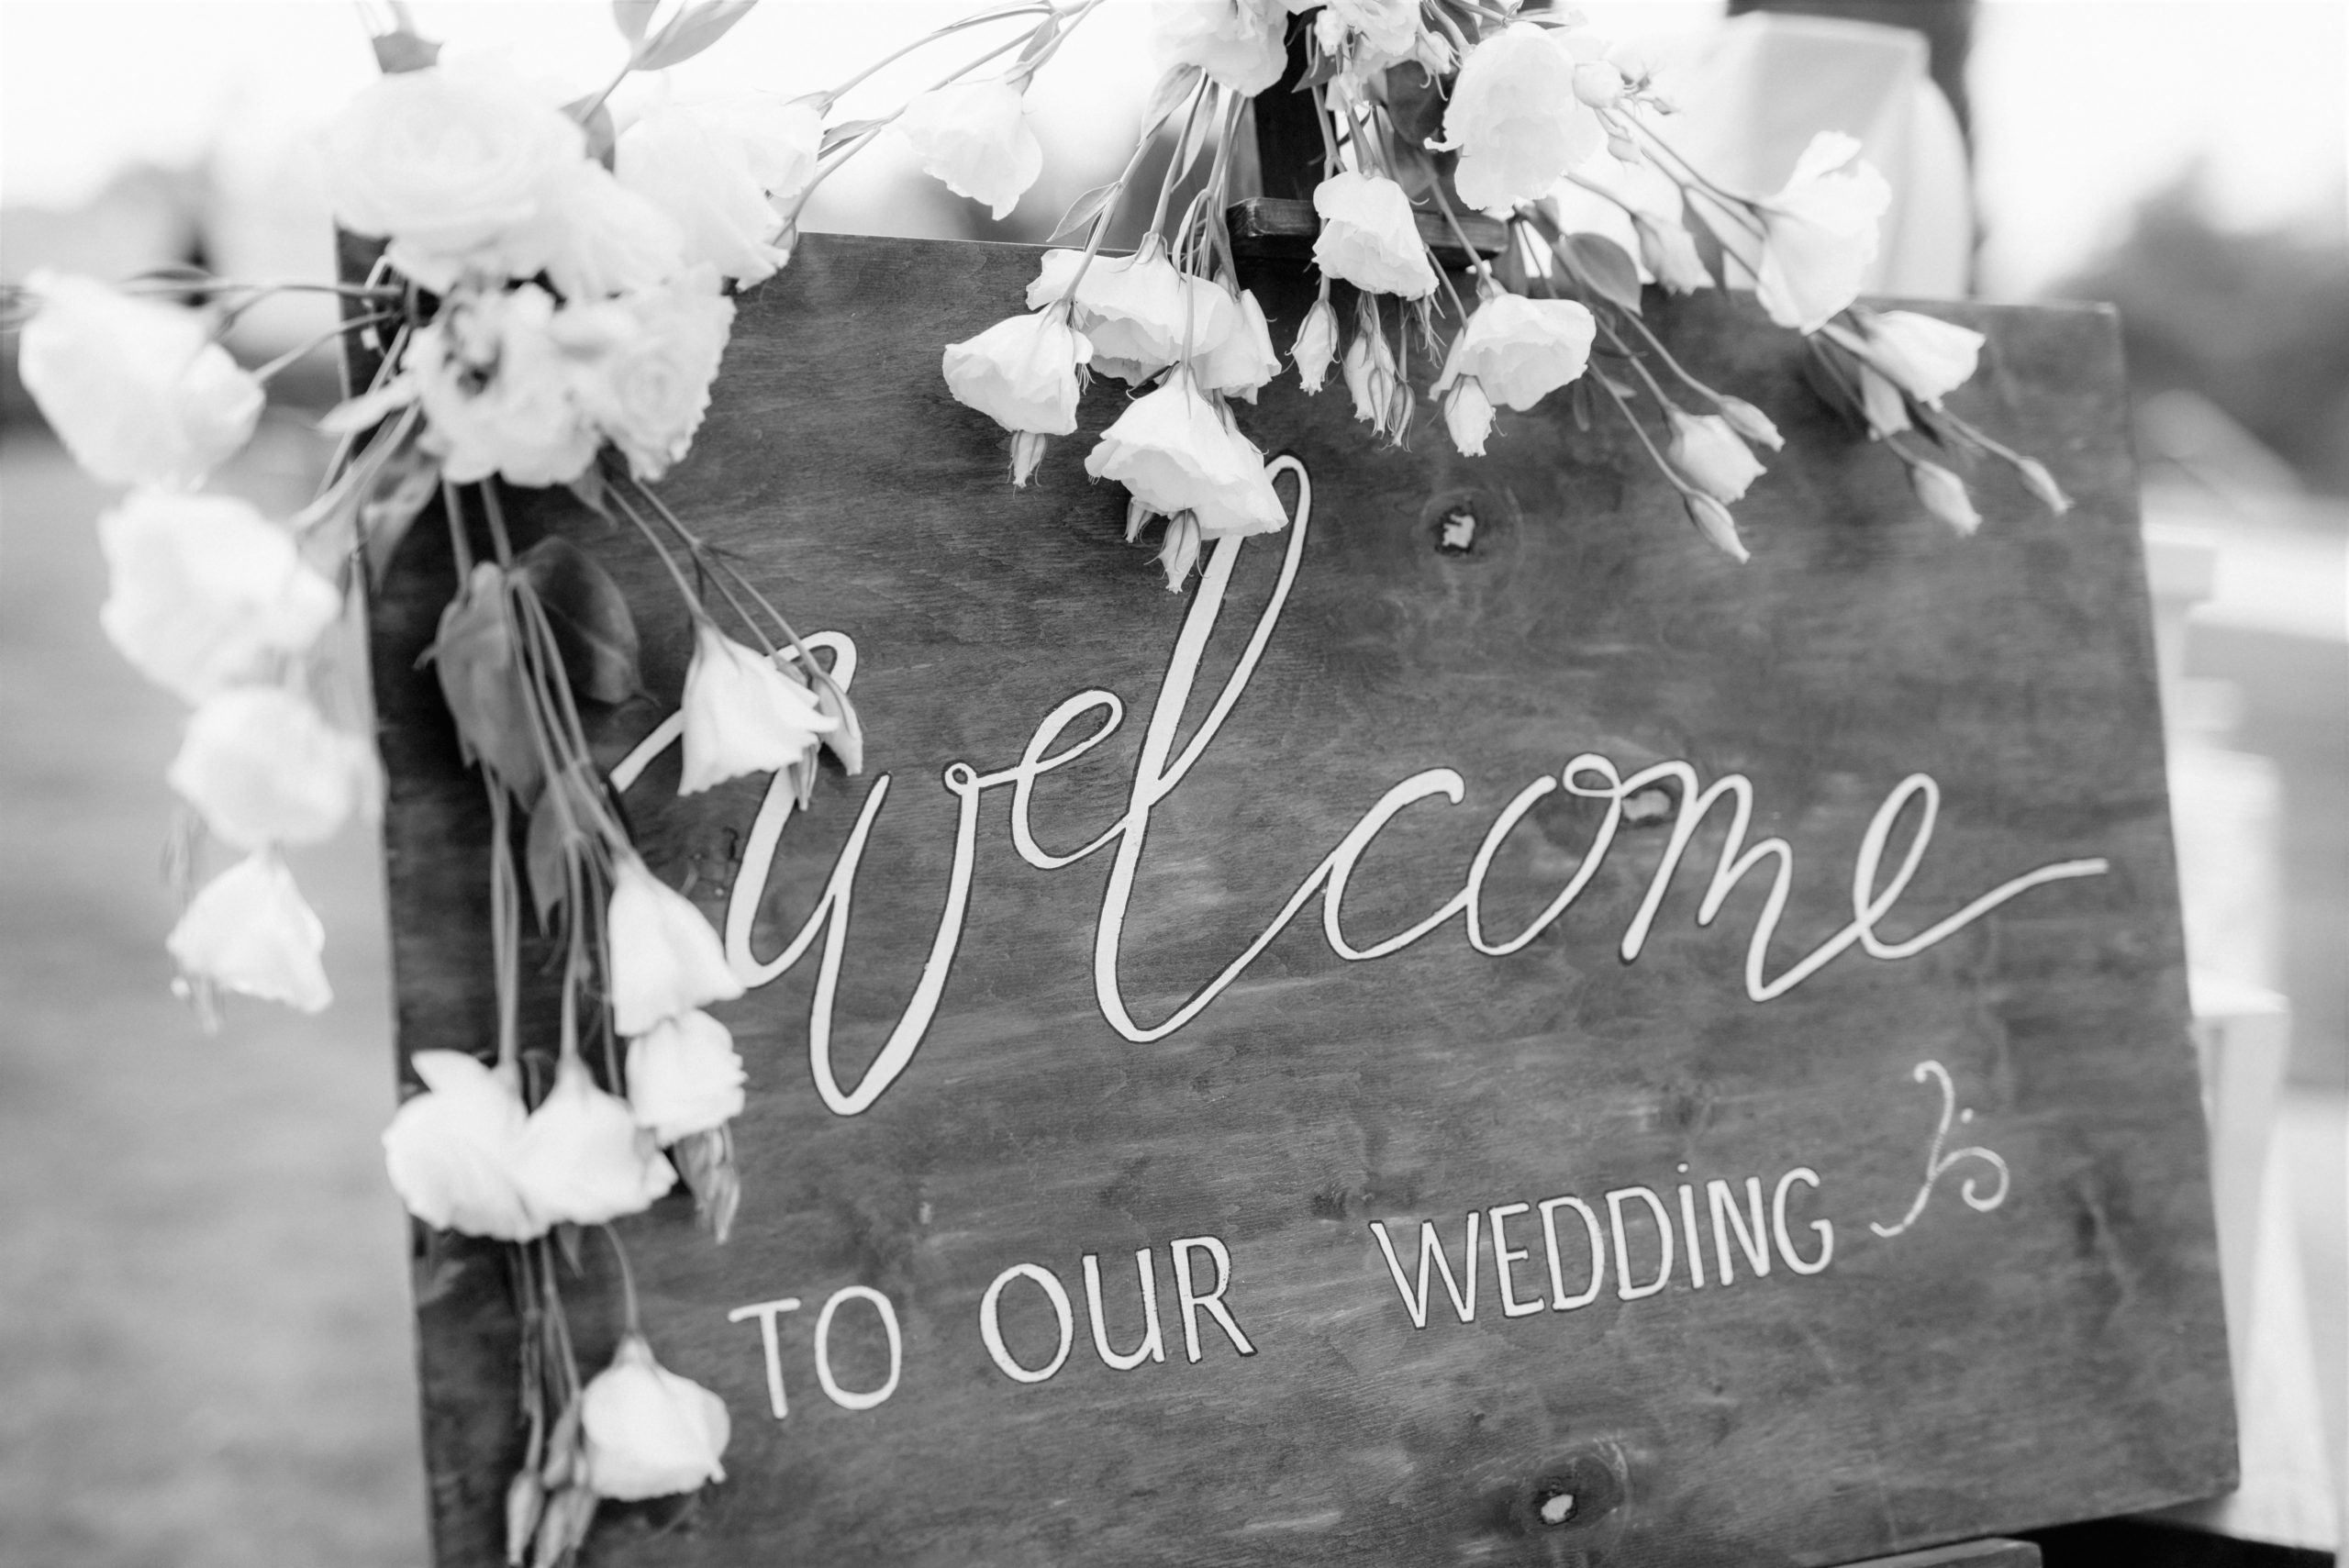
column 2081, row 106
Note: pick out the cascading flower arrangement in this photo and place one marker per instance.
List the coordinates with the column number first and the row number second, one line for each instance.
column 551, row 307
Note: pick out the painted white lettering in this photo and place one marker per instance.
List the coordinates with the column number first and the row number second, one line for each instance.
column 1793, row 1260
column 766, row 1312
column 1691, row 1243
column 1754, row 1242
column 1154, row 1343
column 991, row 1323
column 1193, row 1298
column 1415, row 1302
column 1559, row 1300
column 1624, row 1288
column 849, row 1399
column 1504, row 1255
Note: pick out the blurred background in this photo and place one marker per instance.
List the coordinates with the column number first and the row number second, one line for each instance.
column 203, row 1327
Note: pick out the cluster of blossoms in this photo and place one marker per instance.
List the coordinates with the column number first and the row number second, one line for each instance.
column 1537, row 105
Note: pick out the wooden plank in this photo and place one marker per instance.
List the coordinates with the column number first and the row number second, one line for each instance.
column 1966, row 1554
column 2056, row 1354
column 1271, row 228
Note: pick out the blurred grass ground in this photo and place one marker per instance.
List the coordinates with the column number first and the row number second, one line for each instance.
column 203, row 1303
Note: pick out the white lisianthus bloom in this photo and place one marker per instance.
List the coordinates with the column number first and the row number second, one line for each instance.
column 595, row 237
column 451, row 1151
column 1316, row 347
column 1925, row 356
column 1705, row 452
column 665, row 958
column 1515, row 119
column 744, row 714
column 684, row 1077
column 1137, row 311
column 1468, row 416
column 1820, row 233
column 1944, row 496
column 206, row 591
column 137, row 390
column 1713, row 520
column 646, row 363
column 582, row 1158
column 1176, row 453
column 446, row 163
column 1368, row 237
column 713, row 167
column 973, row 137
column 497, row 392
column 1243, row 358
column 1385, row 32
column 649, row 1432
column 1522, row 350
column 1021, row 373
column 248, row 931
column 261, row 767
column 1240, row 44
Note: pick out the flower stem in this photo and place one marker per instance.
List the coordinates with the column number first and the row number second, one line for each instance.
column 627, row 1283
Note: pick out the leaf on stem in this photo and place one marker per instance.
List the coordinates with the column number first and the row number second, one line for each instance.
column 402, row 52
column 692, row 30
column 1082, row 212
column 1605, row 267
column 476, row 656
column 632, row 17
column 602, row 136
column 593, row 629
column 555, row 839
column 1177, row 85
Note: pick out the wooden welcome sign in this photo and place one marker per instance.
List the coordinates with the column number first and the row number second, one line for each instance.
column 1481, row 1031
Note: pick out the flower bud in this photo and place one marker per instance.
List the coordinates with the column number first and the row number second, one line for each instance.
column 1317, row 345
column 1713, row 520
column 1468, row 416
column 1923, row 355
column 649, row 1432
column 526, row 1501
column 705, row 1160
column 249, row 931
column 1181, row 551
column 1708, row 454
column 1883, row 408
column 563, row 1531
column 1027, row 452
column 1750, row 422
column 1597, row 83
column 1944, row 497
column 2042, row 484
column 1138, row 513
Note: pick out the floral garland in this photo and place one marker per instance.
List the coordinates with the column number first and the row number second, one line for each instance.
column 551, row 307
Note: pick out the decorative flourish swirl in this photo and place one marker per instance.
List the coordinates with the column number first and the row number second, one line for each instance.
column 1936, row 1161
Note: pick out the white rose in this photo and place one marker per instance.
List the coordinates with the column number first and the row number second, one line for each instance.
column 206, row 591
column 1316, row 347
column 581, row 1159
column 684, row 1077
column 973, row 137
column 248, row 931
column 497, row 392
column 1243, row 359
column 451, row 1151
column 708, row 166
column 1173, row 452
column 1368, row 237
column 744, row 714
column 1708, row 454
column 1468, row 416
column 1516, row 118
column 1522, row 350
column 1137, row 311
column 446, row 163
column 666, row 959
column 646, row 363
column 1925, row 356
column 649, row 1432
column 1820, row 233
column 1240, row 44
column 1021, row 373
column 595, row 237
column 137, row 390
column 261, row 767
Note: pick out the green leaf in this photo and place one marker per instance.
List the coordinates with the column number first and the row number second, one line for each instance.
column 1605, row 267
column 400, row 52
column 1173, row 88
column 693, row 29
column 547, row 851
column 476, row 656
column 1081, row 212
column 632, row 17
column 593, row 627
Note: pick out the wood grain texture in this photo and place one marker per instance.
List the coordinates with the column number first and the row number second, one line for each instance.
column 1967, row 1554
column 2058, row 1357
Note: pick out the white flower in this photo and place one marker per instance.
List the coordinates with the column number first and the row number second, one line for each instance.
column 646, row 363
column 137, row 390
column 248, row 931
column 1468, row 416
column 1244, row 358
column 1925, row 356
column 1241, row 44
column 1516, row 118
column 1140, row 314
column 666, row 959
column 1713, row 520
column 451, row 1151
column 973, row 136
column 596, row 238
column 1750, row 422
column 1880, row 405
column 261, row 767
column 1820, row 233
column 1707, row 454
column 1944, row 497
column 1385, row 32
column 649, row 1432
column 582, row 1158
column 1368, row 237
column 744, row 714
column 1316, row 347
column 1175, row 454
column 205, row 590
column 728, row 173
column 497, row 392
column 684, row 1077
column 446, row 163
column 1522, row 350
column 1021, row 373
